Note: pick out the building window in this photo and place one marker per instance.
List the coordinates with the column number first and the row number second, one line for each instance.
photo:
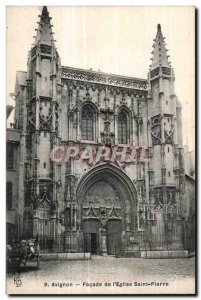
column 168, row 149
column 166, row 102
column 9, row 156
column 87, row 124
column 9, row 195
column 45, row 133
column 169, row 173
column 44, row 165
column 122, row 128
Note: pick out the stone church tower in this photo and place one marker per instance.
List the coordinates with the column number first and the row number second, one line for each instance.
column 68, row 117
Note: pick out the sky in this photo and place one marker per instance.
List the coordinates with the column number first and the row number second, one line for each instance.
column 117, row 40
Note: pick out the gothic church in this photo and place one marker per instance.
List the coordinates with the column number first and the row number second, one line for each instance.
column 107, row 207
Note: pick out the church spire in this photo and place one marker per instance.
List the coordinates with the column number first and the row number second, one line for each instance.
column 44, row 32
column 160, row 57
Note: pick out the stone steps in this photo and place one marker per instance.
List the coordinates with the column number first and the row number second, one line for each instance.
column 165, row 254
column 65, row 256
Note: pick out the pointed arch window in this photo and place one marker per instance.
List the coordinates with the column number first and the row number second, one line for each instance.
column 122, row 128
column 87, row 124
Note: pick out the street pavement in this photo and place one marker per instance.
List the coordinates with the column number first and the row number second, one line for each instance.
column 106, row 275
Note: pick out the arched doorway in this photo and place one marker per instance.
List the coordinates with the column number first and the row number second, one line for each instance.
column 106, row 200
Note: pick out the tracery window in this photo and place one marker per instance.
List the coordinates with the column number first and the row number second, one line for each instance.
column 122, row 128
column 87, row 124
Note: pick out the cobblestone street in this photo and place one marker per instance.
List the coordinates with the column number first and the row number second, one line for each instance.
column 107, row 275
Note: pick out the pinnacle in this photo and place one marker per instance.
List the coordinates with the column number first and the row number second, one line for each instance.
column 45, row 11
column 160, row 57
column 44, row 33
column 159, row 27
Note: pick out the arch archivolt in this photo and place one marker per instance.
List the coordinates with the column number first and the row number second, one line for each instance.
column 106, row 193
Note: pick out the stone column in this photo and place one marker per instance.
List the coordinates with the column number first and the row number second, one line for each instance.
column 73, row 217
column 37, row 113
column 175, row 129
column 133, row 131
column 78, row 126
column 53, row 115
column 139, row 133
column 103, row 241
column 80, row 241
column 98, row 129
column 115, row 129
column 35, row 223
column 54, row 230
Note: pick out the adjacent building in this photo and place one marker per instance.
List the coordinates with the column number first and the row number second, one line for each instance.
column 190, row 208
column 12, row 182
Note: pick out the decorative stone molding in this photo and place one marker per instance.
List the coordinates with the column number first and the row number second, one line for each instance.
column 154, row 73
column 169, row 137
column 33, row 51
column 45, row 124
column 166, row 71
column 53, row 139
column 103, row 214
column 73, row 84
column 104, row 78
column 70, row 189
column 46, row 49
column 156, row 130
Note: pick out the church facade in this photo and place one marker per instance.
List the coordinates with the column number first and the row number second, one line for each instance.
column 101, row 155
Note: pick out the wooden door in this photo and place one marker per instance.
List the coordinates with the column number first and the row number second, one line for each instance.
column 114, row 229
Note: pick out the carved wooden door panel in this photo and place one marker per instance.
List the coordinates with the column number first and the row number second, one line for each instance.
column 114, row 229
